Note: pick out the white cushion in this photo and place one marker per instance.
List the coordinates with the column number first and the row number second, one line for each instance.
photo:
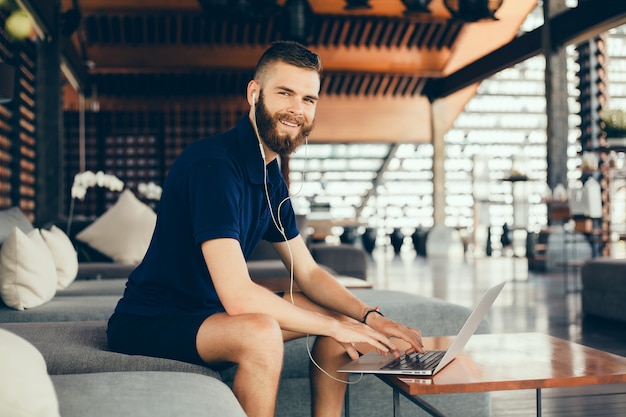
column 64, row 255
column 28, row 276
column 124, row 231
column 25, row 387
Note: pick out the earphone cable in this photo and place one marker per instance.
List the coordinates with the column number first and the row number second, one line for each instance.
column 279, row 226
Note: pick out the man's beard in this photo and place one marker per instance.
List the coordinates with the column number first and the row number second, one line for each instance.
column 267, row 125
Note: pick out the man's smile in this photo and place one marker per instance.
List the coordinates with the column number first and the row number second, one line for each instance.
column 289, row 123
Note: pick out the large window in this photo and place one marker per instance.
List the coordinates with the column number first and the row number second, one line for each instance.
column 501, row 133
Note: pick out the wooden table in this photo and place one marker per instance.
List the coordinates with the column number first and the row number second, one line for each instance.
column 499, row 362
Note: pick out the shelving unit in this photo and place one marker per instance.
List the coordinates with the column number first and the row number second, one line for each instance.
column 24, row 105
column 137, row 146
column 618, row 210
column 18, row 126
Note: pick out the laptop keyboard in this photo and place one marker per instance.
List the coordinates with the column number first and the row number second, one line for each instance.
column 416, row 360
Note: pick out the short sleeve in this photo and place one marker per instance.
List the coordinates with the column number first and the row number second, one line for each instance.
column 214, row 192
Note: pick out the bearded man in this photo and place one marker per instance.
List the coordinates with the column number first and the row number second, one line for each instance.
column 192, row 299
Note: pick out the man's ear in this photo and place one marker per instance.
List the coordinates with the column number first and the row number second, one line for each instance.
column 252, row 92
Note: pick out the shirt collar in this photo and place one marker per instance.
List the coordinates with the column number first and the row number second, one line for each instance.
column 250, row 150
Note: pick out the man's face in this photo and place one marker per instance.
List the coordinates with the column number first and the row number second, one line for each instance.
column 285, row 110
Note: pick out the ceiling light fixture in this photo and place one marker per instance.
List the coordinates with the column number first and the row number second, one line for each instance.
column 299, row 21
column 416, row 6
column 473, row 10
column 250, row 9
column 357, row 4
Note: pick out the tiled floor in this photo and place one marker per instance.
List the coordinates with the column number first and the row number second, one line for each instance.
column 530, row 302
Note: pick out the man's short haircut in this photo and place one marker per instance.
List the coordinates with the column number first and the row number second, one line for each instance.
column 288, row 52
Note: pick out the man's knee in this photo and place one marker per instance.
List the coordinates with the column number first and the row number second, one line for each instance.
column 239, row 338
column 263, row 340
column 262, row 327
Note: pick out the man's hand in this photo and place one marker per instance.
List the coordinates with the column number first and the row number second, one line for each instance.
column 348, row 333
column 390, row 329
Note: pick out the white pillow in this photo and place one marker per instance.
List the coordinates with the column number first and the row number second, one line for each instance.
column 64, row 255
column 28, row 276
column 124, row 231
column 26, row 389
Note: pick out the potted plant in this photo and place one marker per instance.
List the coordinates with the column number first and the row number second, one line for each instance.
column 614, row 125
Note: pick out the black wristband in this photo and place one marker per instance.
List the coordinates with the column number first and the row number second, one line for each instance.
column 368, row 312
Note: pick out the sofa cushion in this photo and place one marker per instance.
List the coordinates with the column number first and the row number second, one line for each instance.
column 85, row 252
column 124, row 231
column 25, row 387
column 82, row 347
column 11, row 218
column 27, row 270
column 63, row 308
column 64, row 255
column 604, row 288
column 144, row 394
column 97, row 287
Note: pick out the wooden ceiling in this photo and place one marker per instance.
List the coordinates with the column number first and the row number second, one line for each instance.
column 378, row 62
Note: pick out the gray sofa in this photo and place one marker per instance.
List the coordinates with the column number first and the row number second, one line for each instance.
column 144, row 394
column 77, row 348
column 70, row 333
column 604, row 288
column 89, row 381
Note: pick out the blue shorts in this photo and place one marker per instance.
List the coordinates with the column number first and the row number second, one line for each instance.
column 170, row 337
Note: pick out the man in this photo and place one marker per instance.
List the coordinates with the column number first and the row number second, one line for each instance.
column 192, row 298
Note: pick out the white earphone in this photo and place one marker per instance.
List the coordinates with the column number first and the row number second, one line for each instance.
column 254, row 109
column 278, row 223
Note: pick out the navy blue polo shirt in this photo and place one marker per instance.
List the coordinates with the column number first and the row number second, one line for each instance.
column 213, row 190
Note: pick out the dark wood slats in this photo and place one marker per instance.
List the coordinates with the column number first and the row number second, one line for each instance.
column 188, row 28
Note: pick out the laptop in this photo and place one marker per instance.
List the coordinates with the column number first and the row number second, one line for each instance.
column 431, row 362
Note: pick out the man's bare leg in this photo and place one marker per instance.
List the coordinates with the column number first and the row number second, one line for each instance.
column 327, row 394
column 255, row 343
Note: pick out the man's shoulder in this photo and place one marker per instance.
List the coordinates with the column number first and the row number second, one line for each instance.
column 222, row 145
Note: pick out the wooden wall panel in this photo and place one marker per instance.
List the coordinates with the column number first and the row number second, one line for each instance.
column 18, row 123
column 138, row 146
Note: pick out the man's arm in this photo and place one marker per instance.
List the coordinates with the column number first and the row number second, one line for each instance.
column 321, row 287
column 316, row 283
column 240, row 295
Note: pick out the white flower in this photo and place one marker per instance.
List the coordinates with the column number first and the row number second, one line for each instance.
column 115, row 184
column 101, row 179
column 78, row 191
column 87, row 179
column 151, row 191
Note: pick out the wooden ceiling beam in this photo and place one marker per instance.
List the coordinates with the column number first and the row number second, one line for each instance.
column 330, row 7
column 572, row 26
column 130, row 5
column 153, row 58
